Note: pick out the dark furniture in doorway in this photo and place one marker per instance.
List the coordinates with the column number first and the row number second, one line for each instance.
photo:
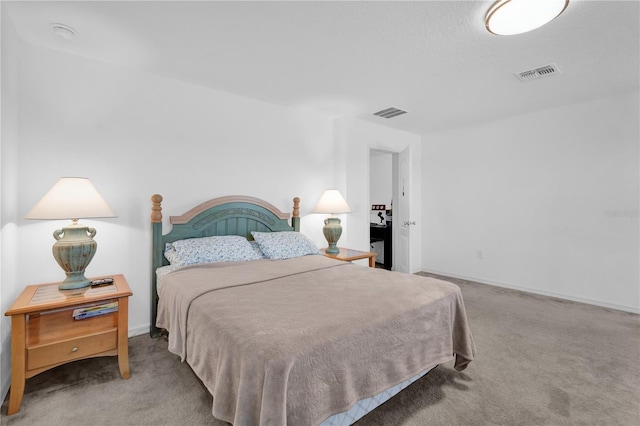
column 383, row 233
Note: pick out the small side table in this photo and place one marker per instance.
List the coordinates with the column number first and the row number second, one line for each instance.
column 348, row 255
column 44, row 333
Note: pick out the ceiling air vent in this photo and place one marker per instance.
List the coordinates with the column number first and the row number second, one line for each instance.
column 537, row 73
column 390, row 112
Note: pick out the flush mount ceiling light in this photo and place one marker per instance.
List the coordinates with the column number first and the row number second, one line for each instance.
column 508, row 17
column 63, row 31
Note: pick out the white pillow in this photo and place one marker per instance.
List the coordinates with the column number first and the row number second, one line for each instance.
column 284, row 245
column 228, row 248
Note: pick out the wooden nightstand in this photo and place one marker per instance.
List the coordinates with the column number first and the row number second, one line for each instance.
column 348, row 255
column 44, row 333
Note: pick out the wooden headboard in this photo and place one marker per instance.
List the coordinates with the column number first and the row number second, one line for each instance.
column 231, row 215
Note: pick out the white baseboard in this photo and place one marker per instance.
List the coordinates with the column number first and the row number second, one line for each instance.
column 137, row 331
column 632, row 309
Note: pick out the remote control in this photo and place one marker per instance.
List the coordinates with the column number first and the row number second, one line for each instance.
column 101, row 282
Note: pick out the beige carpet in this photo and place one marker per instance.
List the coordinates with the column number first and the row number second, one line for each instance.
column 540, row 361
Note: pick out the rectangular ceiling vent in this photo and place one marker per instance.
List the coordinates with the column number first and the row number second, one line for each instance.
column 537, row 73
column 390, row 112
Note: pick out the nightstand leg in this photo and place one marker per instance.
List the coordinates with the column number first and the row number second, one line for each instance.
column 123, row 338
column 18, row 340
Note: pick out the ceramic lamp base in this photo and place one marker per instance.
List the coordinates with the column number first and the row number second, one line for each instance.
column 332, row 231
column 74, row 280
column 73, row 250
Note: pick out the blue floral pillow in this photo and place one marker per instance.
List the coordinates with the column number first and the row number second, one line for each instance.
column 193, row 251
column 256, row 249
column 284, row 245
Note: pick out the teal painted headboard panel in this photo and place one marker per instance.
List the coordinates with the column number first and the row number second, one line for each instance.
column 231, row 215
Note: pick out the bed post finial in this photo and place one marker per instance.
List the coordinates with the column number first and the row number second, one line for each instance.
column 156, row 208
column 295, row 216
column 296, row 207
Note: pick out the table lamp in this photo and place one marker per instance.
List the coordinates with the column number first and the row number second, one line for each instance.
column 72, row 198
column 332, row 202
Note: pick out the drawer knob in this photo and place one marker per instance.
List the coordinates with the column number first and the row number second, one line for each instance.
column 75, row 349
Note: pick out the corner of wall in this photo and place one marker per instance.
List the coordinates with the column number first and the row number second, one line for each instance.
column 9, row 68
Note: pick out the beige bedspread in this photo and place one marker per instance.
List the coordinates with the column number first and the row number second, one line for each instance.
column 291, row 342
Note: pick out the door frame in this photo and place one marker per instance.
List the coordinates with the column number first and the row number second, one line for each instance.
column 395, row 154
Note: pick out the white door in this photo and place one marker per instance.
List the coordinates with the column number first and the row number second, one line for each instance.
column 401, row 220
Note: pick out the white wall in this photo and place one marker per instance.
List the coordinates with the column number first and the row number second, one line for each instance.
column 135, row 134
column 535, row 195
column 8, row 192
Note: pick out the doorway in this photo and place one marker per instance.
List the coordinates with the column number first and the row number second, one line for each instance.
column 382, row 181
column 399, row 174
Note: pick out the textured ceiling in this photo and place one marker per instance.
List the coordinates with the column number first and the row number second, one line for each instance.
column 432, row 58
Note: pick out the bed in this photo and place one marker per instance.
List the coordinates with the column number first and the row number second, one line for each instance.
column 281, row 335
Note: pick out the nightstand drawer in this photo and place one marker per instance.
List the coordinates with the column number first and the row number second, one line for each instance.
column 70, row 350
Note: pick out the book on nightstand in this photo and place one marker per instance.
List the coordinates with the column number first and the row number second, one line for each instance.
column 96, row 310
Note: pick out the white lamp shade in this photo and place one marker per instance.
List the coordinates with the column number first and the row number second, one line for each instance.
column 508, row 17
column 71, row 198
column 332, row 202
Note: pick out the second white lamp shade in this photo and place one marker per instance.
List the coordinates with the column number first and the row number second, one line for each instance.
column 332, row 202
